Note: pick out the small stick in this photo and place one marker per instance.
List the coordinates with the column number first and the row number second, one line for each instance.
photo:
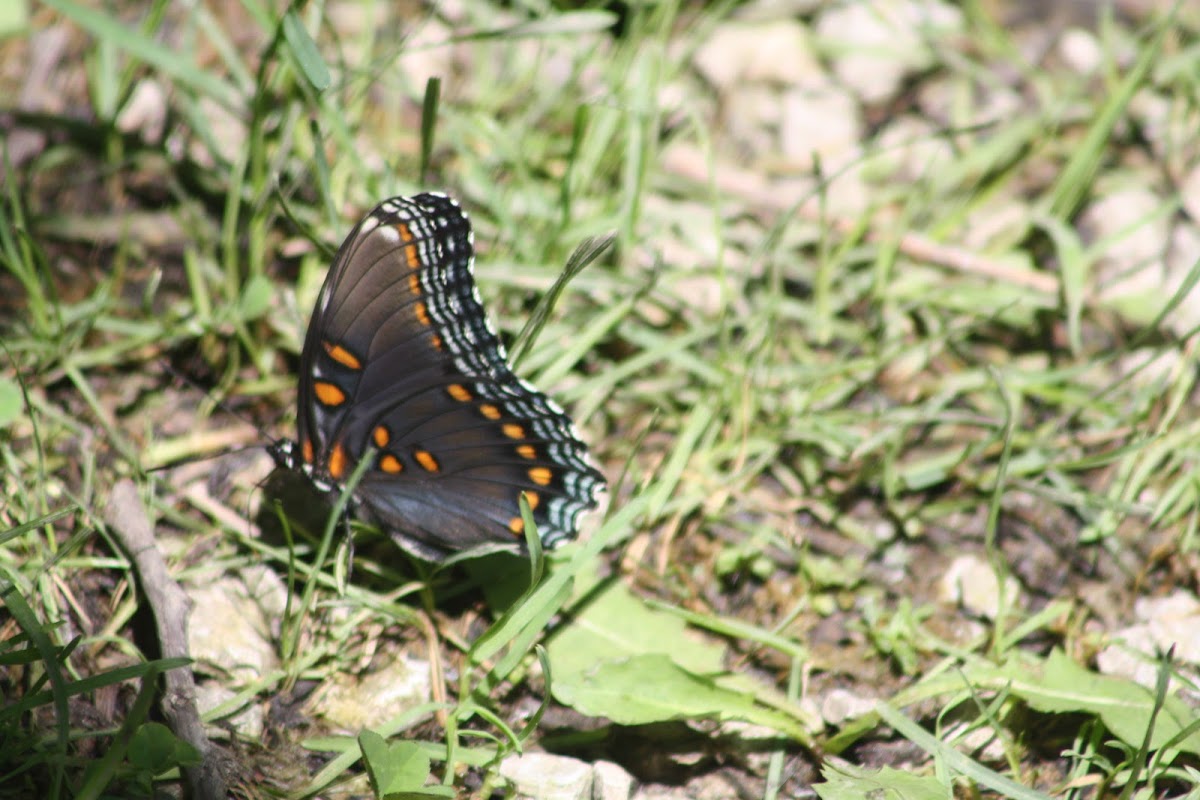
column 127, row 518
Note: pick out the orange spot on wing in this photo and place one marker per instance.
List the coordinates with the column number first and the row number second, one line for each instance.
column 540, row 475
column 414, row 283
column 426, row 460
column 381, row 436
column 458, row 392
column 437, row 342
column 516, row 525
column 534, row 499
column 489, row 411
column 410, row 250
column 342, row 356
column 337, row 462
column 306, row 451
column 389, row 463
column 513, row 431
column 527, row 451
column 328, row 394
column 422, row 313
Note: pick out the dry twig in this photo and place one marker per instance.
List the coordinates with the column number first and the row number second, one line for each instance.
column 171, row 606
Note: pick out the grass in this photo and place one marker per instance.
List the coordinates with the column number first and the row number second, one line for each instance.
column 806, row 415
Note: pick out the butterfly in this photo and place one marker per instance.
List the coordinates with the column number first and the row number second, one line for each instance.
column 401, row 365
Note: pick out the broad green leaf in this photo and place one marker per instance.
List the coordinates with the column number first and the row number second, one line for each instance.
column 397, row 770
column 1123, row 706
column 848, row 782
column 1058, row 685
column 155, row 749
column 615, row 624
column 652, row 688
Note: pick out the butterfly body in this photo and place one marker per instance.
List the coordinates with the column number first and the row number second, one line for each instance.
column 400, row 365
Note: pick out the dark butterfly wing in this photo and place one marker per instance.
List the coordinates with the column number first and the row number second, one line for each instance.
column 400, row 356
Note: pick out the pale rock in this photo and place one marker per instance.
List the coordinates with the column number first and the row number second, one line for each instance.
column 779, row 52
column 228, row 134
column 356, row 702
column 1081, row 51
column 1149, row 367
column 751, row 117
column 269, row 592
column 846, row 194
column 1131, row 655
column 351, row 19
column 947, row 103
column 543, row 776
column 229, row 630
column 611, row 781
column 1173, row 621
column 145, row 112
column 1169, row 124
column 428, row 53
column 981, row 741
column 875, row 44
column 246, row 721
column 972, row 582
column 910, row 147
column 998, row 105
column 1182, row 256
column 703, row 293
column 1000, row 222
column 840, row 705
column 824, row 123
column 1165, row 622
column 1135, row 230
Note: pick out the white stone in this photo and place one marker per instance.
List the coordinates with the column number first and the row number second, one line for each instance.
column 1130, row 656
column 246, row 721
column 228, row 129
column 1081, row 51
column 355, row 702
column 910, row 147
column 1174, row 621
column 1132, row 219
column 1000, row 221
column 1135, row 231
column 1164, row 622
column 1169, row 125
column 269, row 592
column 1182, row 255
column 752, row 118
column 981, row 741
column 145, row 111
column 821, row 122
column 779, row 51
column 228, row 629
column 840, row 705
column 875, row 44
column 972, row 582
column 543, row 776
column 611, row 781
column 428, row 53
